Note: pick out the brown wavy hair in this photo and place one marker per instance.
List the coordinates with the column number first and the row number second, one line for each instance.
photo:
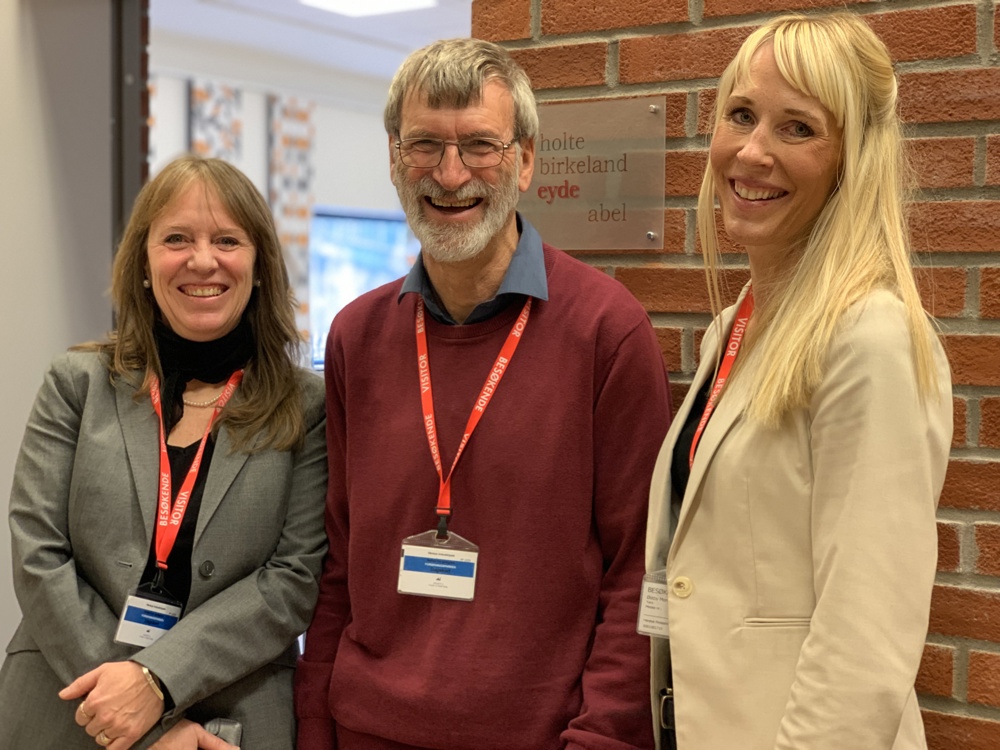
column 268, row 402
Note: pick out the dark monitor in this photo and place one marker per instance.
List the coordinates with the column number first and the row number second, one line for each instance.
column 351, row 251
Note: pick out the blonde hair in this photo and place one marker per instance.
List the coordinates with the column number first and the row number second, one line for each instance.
column 859, row 241
column 269, row 400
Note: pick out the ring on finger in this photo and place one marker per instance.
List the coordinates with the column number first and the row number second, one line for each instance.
column 83, row 711
column 102, row 739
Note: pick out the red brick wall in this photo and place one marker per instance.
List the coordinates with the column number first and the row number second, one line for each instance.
column 946, row 56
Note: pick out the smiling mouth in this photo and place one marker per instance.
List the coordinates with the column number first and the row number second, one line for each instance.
column 756, row 194
column 203, row 291
column 453, row 206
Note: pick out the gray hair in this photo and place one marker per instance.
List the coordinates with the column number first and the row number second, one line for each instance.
column 452, row 73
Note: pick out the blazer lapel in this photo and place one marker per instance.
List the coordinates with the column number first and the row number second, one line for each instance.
column 729, row 408
column 223, row 469
column 140, row 432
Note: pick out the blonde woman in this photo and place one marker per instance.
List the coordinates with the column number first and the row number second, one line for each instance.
column 792, row 509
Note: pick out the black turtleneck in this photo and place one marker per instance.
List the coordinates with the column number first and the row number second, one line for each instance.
column 181, row 361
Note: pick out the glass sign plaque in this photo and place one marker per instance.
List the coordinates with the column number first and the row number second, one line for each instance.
column 599, row 174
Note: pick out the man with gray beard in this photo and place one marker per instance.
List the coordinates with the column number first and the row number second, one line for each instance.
column 492, row 421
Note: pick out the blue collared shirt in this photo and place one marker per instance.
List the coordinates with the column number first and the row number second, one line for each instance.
column 525, row 277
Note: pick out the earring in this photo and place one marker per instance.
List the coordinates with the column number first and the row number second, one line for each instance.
column 146, row 284
column 256, row 283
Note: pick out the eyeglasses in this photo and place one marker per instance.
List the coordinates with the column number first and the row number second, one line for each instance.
column 475, row 153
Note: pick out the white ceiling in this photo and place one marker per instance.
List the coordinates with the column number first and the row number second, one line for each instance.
column 372, row 47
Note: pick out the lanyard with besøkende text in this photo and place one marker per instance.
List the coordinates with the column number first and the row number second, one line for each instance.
column 437, row 563
column 150, row 610
column 653, row 618
column 728, row 359
column 171, row 510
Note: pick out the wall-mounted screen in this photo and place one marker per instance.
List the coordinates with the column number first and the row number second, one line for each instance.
column 351, row 251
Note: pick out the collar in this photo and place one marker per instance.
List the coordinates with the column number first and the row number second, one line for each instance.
column 525, row 277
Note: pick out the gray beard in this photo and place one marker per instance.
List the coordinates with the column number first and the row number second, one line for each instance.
column 447, row 243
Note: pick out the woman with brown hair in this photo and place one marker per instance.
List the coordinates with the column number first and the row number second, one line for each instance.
column 167, row 506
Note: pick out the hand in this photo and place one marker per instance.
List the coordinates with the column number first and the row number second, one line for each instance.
column 120, row 706
column 186, row 735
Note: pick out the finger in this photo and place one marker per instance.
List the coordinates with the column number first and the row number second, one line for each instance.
column 120, row 743
column 81, row 716
column 80, row 686
column 208, row 741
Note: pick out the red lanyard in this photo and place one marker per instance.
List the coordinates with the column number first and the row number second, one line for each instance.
column 170, row 515
column 489, row 388
column 728, row 359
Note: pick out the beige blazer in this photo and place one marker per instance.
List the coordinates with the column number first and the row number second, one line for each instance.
column 801, row 560
column 82, row 513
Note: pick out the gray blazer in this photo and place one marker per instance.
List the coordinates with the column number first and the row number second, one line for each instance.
column 82, row 514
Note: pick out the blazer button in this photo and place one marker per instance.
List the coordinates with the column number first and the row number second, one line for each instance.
column 206, row 569
column 682, row 587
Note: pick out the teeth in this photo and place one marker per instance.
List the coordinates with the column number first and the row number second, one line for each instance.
column 203, row 291
column 753, row 194
column 454, row 204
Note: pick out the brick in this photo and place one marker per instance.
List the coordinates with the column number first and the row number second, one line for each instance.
column 989, row 293
column 706, row 111
column 972, row 485
column 973, row 359
column 927, row 33
column 965, row 613
column 988, row 544
column 670, row 346
column 942, row 290
column 984, row 678
column 678, row 57
column 959, row 411
column 569, row 16
column 678, row 290
column 674, row 237
column 726, row 246
column 949, row 547
column 937, row 667
column 677, row 393
column 501, row 20
column 741, row 7
column 993, row 158
column 956, row 226
column 943, row 162
column 674, row 230
column 950, row 96
column 685, row 170
column 676, row 114
column 699, row 334
column 989, row 422
column 951, row 732
column 564, row 66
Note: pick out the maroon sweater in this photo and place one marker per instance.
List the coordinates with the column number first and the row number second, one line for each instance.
column 552, row 487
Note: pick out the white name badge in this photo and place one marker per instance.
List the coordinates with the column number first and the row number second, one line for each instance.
column 653, row 620
column 444, row 568
column 143, row 621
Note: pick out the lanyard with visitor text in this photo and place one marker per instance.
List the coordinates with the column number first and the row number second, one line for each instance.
column 427, row 402
column 171, row 512
column 728, row 359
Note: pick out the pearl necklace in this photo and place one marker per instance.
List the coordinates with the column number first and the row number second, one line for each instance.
column 201, row 404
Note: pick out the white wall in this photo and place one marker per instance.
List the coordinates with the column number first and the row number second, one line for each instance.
column 351, row 155
column 55, row 207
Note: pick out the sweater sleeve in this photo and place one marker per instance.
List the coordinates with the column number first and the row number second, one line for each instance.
column 879, row 453
column 316, row 728
column 631, row 416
